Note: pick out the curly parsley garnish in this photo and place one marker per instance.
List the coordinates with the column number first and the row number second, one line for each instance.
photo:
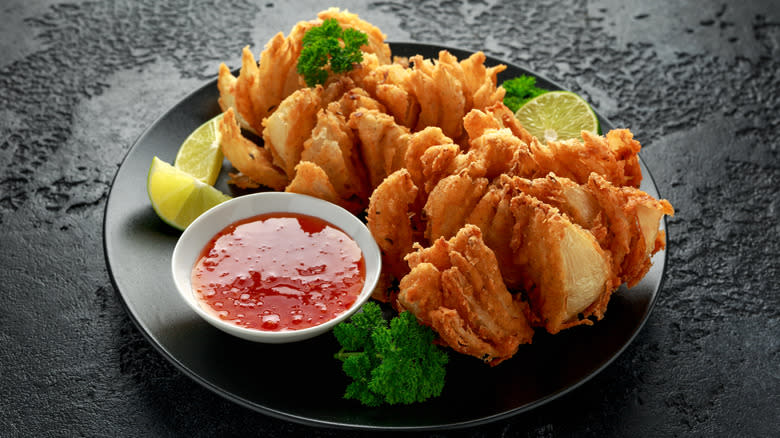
column 389, row 364
column 520, row 90
column 329, row 48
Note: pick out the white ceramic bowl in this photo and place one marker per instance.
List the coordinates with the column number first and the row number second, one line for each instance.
column 198, row 234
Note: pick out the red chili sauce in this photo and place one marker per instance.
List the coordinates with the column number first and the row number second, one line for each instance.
column 279, row 271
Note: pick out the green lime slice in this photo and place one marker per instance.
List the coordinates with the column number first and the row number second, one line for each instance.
column 200, row 154
column 557, row 115
column 178, row 197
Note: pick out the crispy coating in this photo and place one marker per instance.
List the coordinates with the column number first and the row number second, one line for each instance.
column 506, row 119
column 448, row 89
column 632, row 218
column 260, row 87
column 496, row 116
column 242, row 181
column 434, row 92
column 245, row 100
column 383, row 143
column 496, row 149
column 456, row 288
column 421, row 290
column 440, row 94
column 389, row 84
column 277, row 70
column 390, row 221
column 353, row 99
column 251, row 160
column 480, row 81
column 613, row 156
column 311, row 180
column 450, row 203
column 433, row 156
column 419, row 143
column 566, row 271
column 441, row 161
column 624, row 220
column 404, row 108
column 286, row 130
column 332, row 146
column 437, row 254
column 500, row 152
column 623, row 238
column 227, row 84
column 477, row 122
column 492, row 153
column 572, row 199
column 493, row 216
column 626, row 151
column 334, row 88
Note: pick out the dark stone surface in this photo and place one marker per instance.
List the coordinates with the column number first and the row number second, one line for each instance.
column 697, row 82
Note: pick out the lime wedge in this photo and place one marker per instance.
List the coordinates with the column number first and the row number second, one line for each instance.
column 200, row 154
column 178, row 197
column 557, row 115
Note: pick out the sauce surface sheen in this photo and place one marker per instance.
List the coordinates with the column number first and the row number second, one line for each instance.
column 279, row 271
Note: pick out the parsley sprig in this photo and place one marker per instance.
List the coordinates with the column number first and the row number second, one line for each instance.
column 520, row 90
column 329, row 48
column 389, row 364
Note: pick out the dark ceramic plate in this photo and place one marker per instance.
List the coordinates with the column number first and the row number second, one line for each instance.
column 302, row 382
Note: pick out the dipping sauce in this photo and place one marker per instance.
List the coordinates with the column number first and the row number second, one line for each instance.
column 279, row 271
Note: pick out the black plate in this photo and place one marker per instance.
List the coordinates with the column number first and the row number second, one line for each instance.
column 302, row 382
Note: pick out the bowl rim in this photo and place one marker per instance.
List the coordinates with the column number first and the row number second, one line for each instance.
column 208, row 224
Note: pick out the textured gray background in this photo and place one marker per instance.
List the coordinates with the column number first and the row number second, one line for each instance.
column 697, row 82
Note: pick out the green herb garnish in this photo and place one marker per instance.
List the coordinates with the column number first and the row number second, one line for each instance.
column 520, row 90
column 389, row 364
column 329, row 48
